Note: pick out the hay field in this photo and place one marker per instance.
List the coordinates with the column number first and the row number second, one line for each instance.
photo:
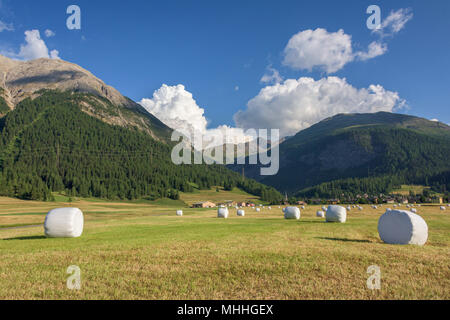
column 142, row 250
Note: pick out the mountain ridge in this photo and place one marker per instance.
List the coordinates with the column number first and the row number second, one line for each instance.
column 360, row 146
column 28, row 79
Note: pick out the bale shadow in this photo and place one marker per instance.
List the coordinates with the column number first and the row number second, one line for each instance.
column 345, row 240
column 26, row 238
column 318, row 221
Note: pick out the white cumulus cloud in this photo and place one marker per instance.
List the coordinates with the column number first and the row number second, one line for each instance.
column 33, row 48
column 297, row 104
column 331, row 51
column 309, row 49
column 177, row 108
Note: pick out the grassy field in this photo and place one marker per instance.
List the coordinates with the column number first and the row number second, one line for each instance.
column 216, row 197
column 406, row 189
column 142, row 250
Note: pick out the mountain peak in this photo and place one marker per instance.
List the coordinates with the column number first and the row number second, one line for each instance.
column 22, row 79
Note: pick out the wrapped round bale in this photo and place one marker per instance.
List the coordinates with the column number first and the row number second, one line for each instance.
column 222, row 213
column 180, row 213
column 414, row 210
column 258, row 210
column 324, row 208
column 402, row 227
column 442, row 208
column 320, row 214
column 336, row 214
column 292, row 213
column 64, row 223
column 241, row 213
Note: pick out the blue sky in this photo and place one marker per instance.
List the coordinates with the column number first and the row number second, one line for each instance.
column 213, row 47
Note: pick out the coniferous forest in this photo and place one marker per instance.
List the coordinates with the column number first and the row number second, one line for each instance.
column 49, row 145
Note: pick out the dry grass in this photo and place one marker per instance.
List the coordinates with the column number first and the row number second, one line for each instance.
column 143, row 251
column 214, row 196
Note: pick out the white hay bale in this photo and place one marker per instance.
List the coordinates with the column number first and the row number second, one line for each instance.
column 241, row 213
column 222, row 213
column 443, row 208
column 270, row 208
column 336, row 214
column 360, row 208
column 448, row 205
column 413, row 210
column 64, row 223
column 324, row 208
column 349, row 208
column 320, row 214
column 292, row 213
column 303, row 207
column 258, row 210
column 402, row 227
column 180, row 213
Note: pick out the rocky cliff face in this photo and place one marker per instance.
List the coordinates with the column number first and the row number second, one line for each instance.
column 22, row 79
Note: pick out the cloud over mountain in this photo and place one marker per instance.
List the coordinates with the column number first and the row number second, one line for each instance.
column 297, row 104
column 177, row 108
column 33, row 48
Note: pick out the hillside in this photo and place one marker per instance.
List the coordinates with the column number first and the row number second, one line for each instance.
column 361, row 153
column 20, row 80
column 63, row 130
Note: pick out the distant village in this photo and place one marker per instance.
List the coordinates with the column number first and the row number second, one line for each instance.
column 362, row 199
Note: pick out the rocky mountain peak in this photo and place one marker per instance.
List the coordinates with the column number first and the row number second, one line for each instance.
column 22, row 79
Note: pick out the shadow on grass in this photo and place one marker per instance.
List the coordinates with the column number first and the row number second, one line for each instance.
column 27, row 238
column 306, row 221
column 345, row 240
